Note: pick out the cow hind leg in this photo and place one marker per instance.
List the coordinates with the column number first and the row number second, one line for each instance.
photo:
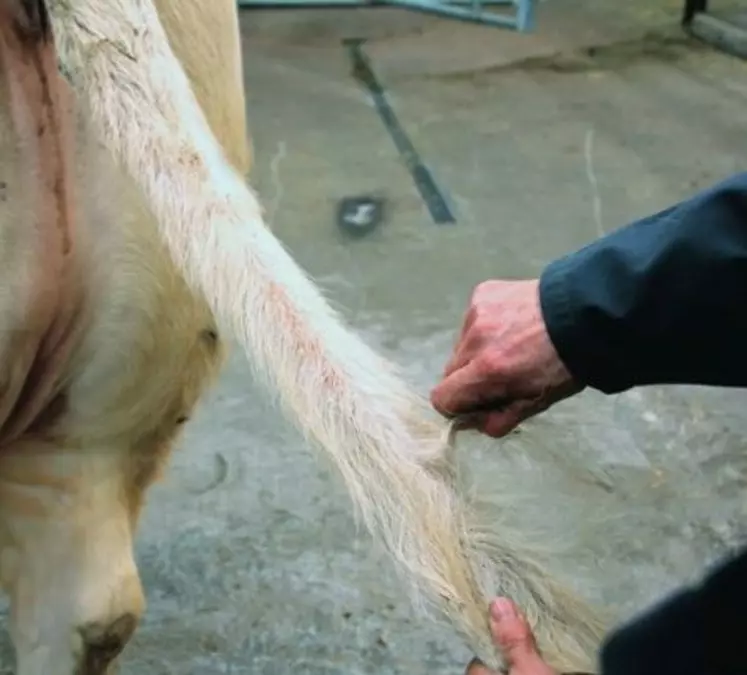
column 67, row 560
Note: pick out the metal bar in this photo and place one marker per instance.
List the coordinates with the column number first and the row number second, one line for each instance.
column 720, row 33
column 437, row 7
column 693, row 7
column 525, row 16
column 243, row 4
column 354, row 3
column 465, row 10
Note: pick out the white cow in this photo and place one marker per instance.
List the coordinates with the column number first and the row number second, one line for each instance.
column 128, row 242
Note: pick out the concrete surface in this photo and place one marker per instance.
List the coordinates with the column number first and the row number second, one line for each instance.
column 249, row 555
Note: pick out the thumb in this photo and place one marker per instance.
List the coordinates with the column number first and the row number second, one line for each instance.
column 500, row 422
column 465, row 390
column 514, row 637
column 510, row 632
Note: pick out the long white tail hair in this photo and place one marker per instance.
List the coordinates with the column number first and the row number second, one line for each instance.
column 393, row 457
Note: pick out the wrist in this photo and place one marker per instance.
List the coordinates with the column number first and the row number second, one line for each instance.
column 562, row 324
column 555, row 369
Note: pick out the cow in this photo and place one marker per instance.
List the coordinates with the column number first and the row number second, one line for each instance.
column 132, row 246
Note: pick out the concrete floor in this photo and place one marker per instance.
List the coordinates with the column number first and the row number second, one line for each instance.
column 250, row 558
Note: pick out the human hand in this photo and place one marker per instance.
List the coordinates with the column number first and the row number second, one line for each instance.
column 513, row 636
column 504, row 367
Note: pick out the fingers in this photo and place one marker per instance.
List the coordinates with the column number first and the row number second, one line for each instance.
column 459, row 358
column 490, row 415
column 463, row 350
column 461, row 355
column 513, row 636
column 503, row 368
column 501, row 422
column 463, row 395
column 498, row 424
column 511, row 631
column 461, row 392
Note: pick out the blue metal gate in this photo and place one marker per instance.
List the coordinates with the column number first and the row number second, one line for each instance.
column 520, row 16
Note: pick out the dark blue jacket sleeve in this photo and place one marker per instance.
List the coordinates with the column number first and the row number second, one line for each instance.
column 700, row 630
column 660, row 301
column 664, row 300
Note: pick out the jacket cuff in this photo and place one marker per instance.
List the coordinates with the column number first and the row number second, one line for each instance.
column 557, row 312
column 563, row 314
column 580, row 328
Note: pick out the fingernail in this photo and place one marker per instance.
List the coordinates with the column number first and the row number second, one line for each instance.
column 502, row 609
